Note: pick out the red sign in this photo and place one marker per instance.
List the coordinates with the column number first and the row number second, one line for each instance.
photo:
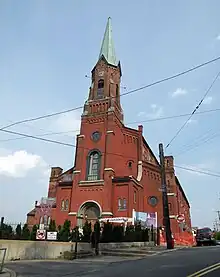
column 180, row 218
column 41, row 235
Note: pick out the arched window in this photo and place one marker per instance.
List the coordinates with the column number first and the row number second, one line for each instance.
column 41, row 220
column 100, row 91
column 170, row 207
column 119, row 203
column 124, row 204
column 93, row 166
column 67, row 205
column 62, row 205
column 49, row 220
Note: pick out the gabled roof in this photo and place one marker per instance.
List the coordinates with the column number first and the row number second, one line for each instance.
column 32, row 212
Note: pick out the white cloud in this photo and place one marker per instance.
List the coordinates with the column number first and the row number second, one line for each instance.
column 179, row 92
column 156, row 112
column 67, row 122
column 19, row 163
column 208, row 100
column 218, row 37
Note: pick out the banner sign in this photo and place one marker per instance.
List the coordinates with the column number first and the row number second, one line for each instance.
column 116, row 219
column 145, row 219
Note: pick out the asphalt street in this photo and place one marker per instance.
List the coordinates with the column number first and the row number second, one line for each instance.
column 180, row 263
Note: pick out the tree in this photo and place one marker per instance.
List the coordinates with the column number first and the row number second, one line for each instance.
column 87, row 230
column 6, row 231
column 52, row 226
column 34, row 232
column 107, row 232
column 18, row 232
column 25, row 234
column 64, row 233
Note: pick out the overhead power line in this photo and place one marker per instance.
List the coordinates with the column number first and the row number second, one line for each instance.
column 123, row 94
column 173, row 116
column 128, row 123
column 194, row 111
column 37, row 138
column 198, row 143
column 121, row 155
column 41, row 135
column 198, row 171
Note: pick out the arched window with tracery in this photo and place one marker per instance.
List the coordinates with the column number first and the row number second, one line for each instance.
column 93, row 165
column 100, row 91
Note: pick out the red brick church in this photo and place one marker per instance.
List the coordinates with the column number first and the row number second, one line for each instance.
column 115, row 170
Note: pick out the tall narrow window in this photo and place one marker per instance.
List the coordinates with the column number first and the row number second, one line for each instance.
column 45, row 220
column 117, row 91
column 63, row 205
column 124, row 204
column 170, row 207
column 135, row 197
column 93, row 166
column 100, row 91
column 67, row 205
column 119, row 203
column 49, row 220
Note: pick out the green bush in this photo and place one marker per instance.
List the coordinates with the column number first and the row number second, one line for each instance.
column 116, row 233
column 87, row 230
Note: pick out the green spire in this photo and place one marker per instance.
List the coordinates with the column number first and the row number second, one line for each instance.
column 107, row 49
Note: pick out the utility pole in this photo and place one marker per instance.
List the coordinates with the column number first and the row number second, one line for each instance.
column 166, row 215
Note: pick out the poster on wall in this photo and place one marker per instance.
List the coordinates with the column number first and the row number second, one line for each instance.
column 145, row 219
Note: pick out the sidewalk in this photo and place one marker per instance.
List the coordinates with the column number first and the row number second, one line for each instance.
column 135, row 252
column 7, row 273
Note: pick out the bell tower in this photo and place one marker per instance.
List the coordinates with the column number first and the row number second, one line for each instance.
column 104, row 92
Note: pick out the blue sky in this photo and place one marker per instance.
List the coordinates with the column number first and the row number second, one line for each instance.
column 47, row 48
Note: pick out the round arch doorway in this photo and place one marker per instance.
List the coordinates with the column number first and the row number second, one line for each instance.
column 90, row 211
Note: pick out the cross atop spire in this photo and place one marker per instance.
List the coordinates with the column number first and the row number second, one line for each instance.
column 107, row 49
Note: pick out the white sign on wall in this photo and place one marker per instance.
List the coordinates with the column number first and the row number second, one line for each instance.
column 51, row 235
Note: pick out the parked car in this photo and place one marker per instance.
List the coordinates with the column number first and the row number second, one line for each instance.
column 205, row 236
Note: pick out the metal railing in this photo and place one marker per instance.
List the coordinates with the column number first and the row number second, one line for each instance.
column 2, row 258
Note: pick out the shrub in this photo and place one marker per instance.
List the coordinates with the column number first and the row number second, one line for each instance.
column 87, row 230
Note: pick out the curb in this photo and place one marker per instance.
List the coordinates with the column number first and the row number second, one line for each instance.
column 11, row 272
column 165, row 251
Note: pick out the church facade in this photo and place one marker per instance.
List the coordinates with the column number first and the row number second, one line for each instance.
column 115, row 170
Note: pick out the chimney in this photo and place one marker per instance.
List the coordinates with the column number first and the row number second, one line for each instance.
column 140, row 128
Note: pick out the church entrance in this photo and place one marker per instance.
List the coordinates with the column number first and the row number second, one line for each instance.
column 89, row 211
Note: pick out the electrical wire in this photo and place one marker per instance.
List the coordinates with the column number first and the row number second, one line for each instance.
column 194, row 111
column 215, row 135
column 121, row 155
column 129, row 123
column 123, row 94
column 173, row 116
column 41, row 135
column 38, row 138
column 198, row 171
